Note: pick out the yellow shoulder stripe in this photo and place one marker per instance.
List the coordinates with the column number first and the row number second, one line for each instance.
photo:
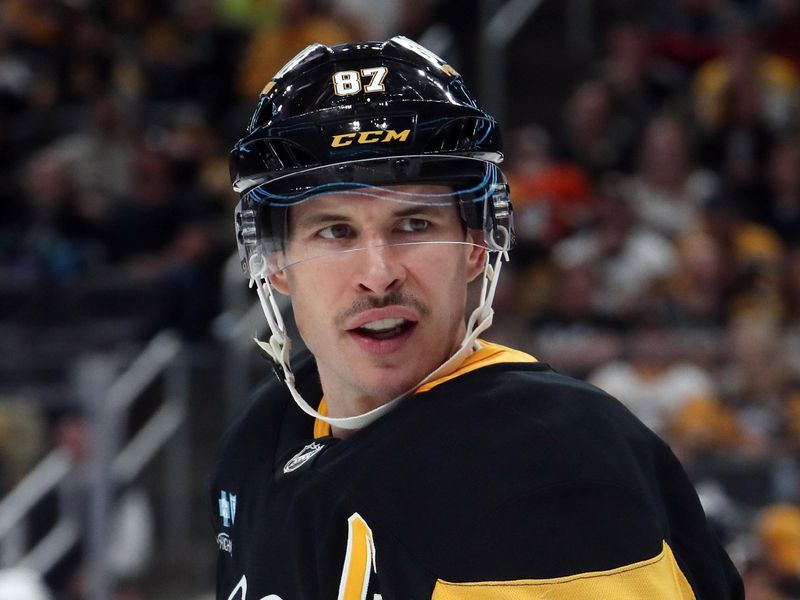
column 321, row 428
column 487, row 354
column 658, row 577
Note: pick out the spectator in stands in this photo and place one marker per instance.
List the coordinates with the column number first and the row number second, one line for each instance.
column 780, row 210
column 595, row 134
column 642, row 84
column 302, row 23
column 161, row 235
column 198, row 158
column 86, row 65
column 627, row 259
column 100, row 155
column 695, row 292
column 163, row 59
column 704, row 428
column 571, row 333
column 745, row 62
column 688, row 32
column 778, row 535
column 668, row 188
column 211, row 47
column 751, row 256
column 652, row 380
column 754, row 381
column 381, row 19
column 57, row 239
column 551, row 197
column 739, row 143
column 182, row 54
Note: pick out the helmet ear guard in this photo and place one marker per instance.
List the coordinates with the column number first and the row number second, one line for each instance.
column 497, row 220
column 246, row 235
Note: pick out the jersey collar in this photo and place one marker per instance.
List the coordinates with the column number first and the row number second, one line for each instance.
column 487, row 354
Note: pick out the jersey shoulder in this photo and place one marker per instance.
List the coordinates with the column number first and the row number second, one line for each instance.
column 536, row 399
column 576, row 484
column 536, row 462
column 255, row 431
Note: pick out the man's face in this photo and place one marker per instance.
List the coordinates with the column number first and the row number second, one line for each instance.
column 378, row 305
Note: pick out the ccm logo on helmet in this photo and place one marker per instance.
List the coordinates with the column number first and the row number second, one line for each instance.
column 369, row 137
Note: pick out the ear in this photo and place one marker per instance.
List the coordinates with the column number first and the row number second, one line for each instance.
column 476, row 256
column 280, row 282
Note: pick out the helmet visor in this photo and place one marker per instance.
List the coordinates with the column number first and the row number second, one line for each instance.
column 338, row 212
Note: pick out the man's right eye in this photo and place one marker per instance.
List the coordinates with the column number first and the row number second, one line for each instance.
column 335, row 232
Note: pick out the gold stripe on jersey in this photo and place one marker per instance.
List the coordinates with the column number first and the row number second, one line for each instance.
column 487, row 354
column 359, row 560
column 321, row 428
column 659, row 577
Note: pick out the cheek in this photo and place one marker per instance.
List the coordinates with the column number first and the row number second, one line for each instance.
column 313, row 302
column 447, row 280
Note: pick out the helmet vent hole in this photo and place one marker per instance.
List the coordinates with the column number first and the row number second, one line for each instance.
column 280, row 154
column 457, row 136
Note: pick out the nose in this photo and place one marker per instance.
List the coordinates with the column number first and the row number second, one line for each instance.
column 380, row 269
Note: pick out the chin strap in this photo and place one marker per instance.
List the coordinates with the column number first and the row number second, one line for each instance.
column 279, row 344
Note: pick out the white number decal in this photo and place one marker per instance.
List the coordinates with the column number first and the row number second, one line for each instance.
column 359, row 560
column 377, row 75
column 347, row 83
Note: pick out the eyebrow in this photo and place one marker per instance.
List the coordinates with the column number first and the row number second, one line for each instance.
column 333, row 217
column 419, row 209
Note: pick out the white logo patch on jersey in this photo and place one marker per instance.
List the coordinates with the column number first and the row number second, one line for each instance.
column 302, row 457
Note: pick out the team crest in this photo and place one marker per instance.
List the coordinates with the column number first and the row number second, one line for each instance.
column 302, row 457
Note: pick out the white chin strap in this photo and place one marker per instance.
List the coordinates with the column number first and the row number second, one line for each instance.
column 279, row 344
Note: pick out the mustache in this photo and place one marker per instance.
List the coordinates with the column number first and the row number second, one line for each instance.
column 397, row 298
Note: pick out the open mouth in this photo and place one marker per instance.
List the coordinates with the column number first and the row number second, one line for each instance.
column 384, row 329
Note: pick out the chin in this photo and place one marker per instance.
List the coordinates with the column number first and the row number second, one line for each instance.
column 384, row 385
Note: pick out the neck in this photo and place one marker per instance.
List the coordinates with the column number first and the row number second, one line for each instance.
column 349, row 405
column 345, row 400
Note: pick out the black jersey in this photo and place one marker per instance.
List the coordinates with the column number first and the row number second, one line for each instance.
column 505, row 481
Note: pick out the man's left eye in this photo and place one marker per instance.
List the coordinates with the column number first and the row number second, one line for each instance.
column 414, row 225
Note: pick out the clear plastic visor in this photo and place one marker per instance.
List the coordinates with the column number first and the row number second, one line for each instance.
column 346, row 214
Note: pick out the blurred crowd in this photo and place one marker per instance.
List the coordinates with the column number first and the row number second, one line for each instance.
column 659, row 254
column 658, row 220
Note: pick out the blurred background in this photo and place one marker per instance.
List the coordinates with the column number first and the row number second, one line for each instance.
column 654, row 158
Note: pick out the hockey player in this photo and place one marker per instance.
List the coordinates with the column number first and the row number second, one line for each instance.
column 404, row 457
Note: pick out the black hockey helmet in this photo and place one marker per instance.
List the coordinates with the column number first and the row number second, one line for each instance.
column 363, row 115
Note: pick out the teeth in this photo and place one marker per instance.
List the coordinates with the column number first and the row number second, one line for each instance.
column 383, row 324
